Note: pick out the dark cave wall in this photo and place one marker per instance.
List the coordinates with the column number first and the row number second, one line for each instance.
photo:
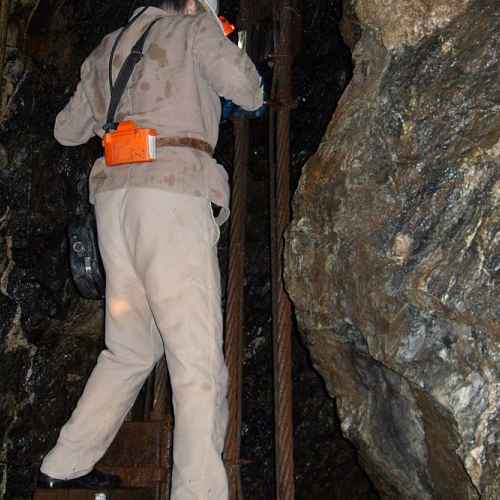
column 49, row 338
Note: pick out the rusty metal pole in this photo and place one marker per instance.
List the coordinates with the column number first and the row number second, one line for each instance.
column 235, row 309
column 282, row 317
column 235, row 293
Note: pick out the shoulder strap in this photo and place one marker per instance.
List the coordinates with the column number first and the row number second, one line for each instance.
column 115, row 45
column 124, row 76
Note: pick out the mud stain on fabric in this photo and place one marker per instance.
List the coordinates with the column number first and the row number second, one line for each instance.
column 158, row 54
column 168, row 90
column 117, row 61
column 99, row 101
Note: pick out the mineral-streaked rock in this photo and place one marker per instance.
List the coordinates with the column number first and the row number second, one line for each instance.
column 393, row 256
column 406, row 22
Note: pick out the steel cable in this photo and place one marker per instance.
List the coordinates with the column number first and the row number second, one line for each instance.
column 282, row 317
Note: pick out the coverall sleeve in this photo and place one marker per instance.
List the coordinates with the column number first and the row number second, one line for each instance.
column 229, row 70
column 75, row 123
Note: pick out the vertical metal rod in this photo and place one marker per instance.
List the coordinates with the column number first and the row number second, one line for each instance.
column 282, row 321
column 235, row 308
column 235, row 316
column 235, row 293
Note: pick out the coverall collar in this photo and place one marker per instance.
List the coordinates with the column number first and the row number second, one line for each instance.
column 156, row 11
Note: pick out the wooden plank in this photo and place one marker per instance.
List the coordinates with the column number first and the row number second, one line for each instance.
column 117, row 494
column 138, row 444
column 135, row 477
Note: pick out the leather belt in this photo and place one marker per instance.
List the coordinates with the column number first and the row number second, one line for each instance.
column 185, row 142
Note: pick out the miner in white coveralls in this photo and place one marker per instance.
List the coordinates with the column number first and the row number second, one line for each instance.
column 158, row 237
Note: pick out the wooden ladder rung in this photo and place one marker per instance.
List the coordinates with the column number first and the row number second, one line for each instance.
column 74, row 494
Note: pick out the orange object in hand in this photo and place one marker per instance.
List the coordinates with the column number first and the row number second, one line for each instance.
column 129, row 144
column 228, row 27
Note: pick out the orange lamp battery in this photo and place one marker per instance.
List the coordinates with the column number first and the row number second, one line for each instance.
column 228, row 27
column 129, row 144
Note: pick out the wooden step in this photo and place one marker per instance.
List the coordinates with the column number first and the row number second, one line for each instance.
column 140, row 455
column 139, row 444
column 116, row 494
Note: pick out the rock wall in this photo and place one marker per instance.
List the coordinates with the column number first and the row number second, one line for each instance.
column 49, row 337
column 393, row 256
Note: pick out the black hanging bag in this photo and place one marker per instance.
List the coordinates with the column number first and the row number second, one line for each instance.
column 85, row 260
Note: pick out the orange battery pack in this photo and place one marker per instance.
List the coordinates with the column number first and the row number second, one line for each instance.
column 129, row 144
column 228, row 27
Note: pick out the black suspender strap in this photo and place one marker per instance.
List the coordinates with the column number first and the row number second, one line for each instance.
column 115, row 45
column 124, row 76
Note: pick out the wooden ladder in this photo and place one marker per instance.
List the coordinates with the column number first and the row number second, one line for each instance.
column 141, row 452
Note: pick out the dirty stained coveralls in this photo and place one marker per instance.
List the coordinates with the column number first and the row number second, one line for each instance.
column 158, row 239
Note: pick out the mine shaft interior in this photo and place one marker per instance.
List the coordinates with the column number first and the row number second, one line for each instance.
column 359, row 266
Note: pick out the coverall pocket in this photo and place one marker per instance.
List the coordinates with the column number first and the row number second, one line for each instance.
column 215, row 228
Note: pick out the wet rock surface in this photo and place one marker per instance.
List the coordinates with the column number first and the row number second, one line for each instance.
column 49, row 337
column 393, row 255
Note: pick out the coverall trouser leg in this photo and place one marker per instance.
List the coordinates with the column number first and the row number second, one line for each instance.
column 162, row 298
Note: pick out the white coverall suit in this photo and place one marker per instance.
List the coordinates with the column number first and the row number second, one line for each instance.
column 158, row 241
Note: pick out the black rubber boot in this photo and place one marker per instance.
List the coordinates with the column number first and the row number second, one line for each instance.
column 91, row 481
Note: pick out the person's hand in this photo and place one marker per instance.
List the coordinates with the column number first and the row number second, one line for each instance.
column 259, row 112
column 251, row 115
column 229, row 109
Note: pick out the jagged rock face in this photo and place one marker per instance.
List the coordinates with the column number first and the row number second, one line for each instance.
column 49, row 337
column 393, row 256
